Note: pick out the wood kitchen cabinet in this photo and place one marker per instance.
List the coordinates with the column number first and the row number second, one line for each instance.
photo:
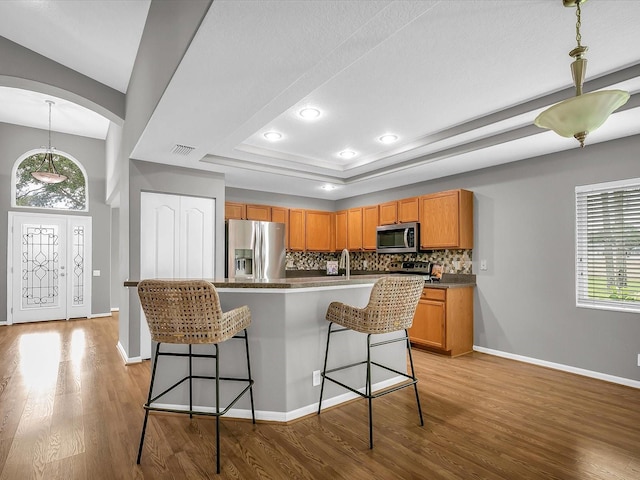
column 235, row 211
column 443, row 321
column 400, row 211
column 296, row 229
column 318, row 231
column 369, row 225
column 258, row 212
column 341, row 230
column 281, row 215
column 446, row 220
column 354, row 229
column 388, row 213
column 408, row 209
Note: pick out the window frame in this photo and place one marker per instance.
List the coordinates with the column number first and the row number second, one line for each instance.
column 36, row 151
column 582, row 247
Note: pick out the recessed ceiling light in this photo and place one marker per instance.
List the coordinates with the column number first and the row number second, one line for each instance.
column 388, row 138
column 309, row 113
column 328, row 186
column 347, row 154
column 273, row 136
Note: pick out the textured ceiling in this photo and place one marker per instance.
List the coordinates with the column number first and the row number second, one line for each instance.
column 459, row 83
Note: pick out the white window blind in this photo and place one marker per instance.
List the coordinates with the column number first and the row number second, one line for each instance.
column 608, row 245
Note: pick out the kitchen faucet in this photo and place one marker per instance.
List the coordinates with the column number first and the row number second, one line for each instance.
column 344, row 262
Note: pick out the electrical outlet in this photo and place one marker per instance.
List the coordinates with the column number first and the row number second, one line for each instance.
column 316, row 378
column 456, row 266
column 365, row 264
column 639, row 359
column 483, row 264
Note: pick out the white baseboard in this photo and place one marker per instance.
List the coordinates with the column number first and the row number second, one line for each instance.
column 99, row 315
column 283, row 417
column 559, row 366
column 123, row 354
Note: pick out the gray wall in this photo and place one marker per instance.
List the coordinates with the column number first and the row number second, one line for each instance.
column 524, row 224
column 115, row 258
column 23, row 68
column 154, row 177
column 14, row 142
column 169, row 29
column 278, row 200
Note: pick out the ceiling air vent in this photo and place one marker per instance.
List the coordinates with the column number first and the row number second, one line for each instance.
column 183, row 150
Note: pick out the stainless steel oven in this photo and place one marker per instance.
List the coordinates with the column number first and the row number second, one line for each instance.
column 399, row 238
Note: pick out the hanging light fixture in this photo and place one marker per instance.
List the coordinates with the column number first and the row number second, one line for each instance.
column 584, row 113
column 47, row 171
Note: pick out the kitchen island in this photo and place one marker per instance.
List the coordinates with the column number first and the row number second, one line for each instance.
column 287, row 339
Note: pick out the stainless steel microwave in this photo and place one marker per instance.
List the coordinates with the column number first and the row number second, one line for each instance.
column 399, row 238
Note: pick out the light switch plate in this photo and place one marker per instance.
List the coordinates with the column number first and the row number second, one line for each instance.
column 96, row 273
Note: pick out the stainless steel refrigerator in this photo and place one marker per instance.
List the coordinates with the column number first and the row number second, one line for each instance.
column 255, row 250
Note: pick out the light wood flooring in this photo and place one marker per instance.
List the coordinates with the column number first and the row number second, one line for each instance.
column 70, row 409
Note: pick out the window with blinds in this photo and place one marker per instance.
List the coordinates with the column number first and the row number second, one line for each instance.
column 608, row 245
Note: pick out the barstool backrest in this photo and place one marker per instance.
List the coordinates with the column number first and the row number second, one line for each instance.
column 182, row 311
column 393, row 303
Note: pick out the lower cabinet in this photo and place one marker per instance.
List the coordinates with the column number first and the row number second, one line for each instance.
column 444, row 320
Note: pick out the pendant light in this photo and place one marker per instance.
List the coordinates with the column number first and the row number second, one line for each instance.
column 47, row 171
column 584, row 113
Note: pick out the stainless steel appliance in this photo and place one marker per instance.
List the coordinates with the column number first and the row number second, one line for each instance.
column 413, row 267
column 255, row 250
column 399, row 238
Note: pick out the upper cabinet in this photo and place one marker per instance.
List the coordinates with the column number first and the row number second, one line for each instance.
column 281, row 215
column 400, row 211
column 235, row 211
column 354, row 229
column 318, row 231
column 369, row 224
column 259, row 212
column 388, row 213
column 446, row 220
column 408, row 209
column 341, row 230
column 296, row 229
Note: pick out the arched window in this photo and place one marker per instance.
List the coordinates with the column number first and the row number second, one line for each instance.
column 30, row 193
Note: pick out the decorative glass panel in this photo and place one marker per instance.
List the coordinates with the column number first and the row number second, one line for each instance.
column 77, row 279
column 40, row 265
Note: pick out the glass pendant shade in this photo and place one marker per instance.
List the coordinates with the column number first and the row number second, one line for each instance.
column 582, row 114
column 48, row 174
column 585, row 112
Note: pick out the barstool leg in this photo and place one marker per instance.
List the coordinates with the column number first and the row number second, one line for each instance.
column 368, row 389
column 413, row 374
column 246, row 344
column 146, row 411
column 190, row 383
column 217, row 409
column 324, row 368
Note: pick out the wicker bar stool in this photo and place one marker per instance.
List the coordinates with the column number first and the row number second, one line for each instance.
column 188, row 312
column 392, row 305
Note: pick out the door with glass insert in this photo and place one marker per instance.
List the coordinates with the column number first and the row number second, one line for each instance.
column 49, row 267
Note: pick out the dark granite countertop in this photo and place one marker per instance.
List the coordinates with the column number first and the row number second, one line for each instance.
column 304, row 281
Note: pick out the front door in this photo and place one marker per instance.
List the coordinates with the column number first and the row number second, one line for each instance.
column 49, row 260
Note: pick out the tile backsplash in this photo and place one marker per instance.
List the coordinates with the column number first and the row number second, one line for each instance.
column 453, row 261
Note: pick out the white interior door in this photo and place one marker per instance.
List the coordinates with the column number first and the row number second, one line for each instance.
column 49, row 260
column 176, row 241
